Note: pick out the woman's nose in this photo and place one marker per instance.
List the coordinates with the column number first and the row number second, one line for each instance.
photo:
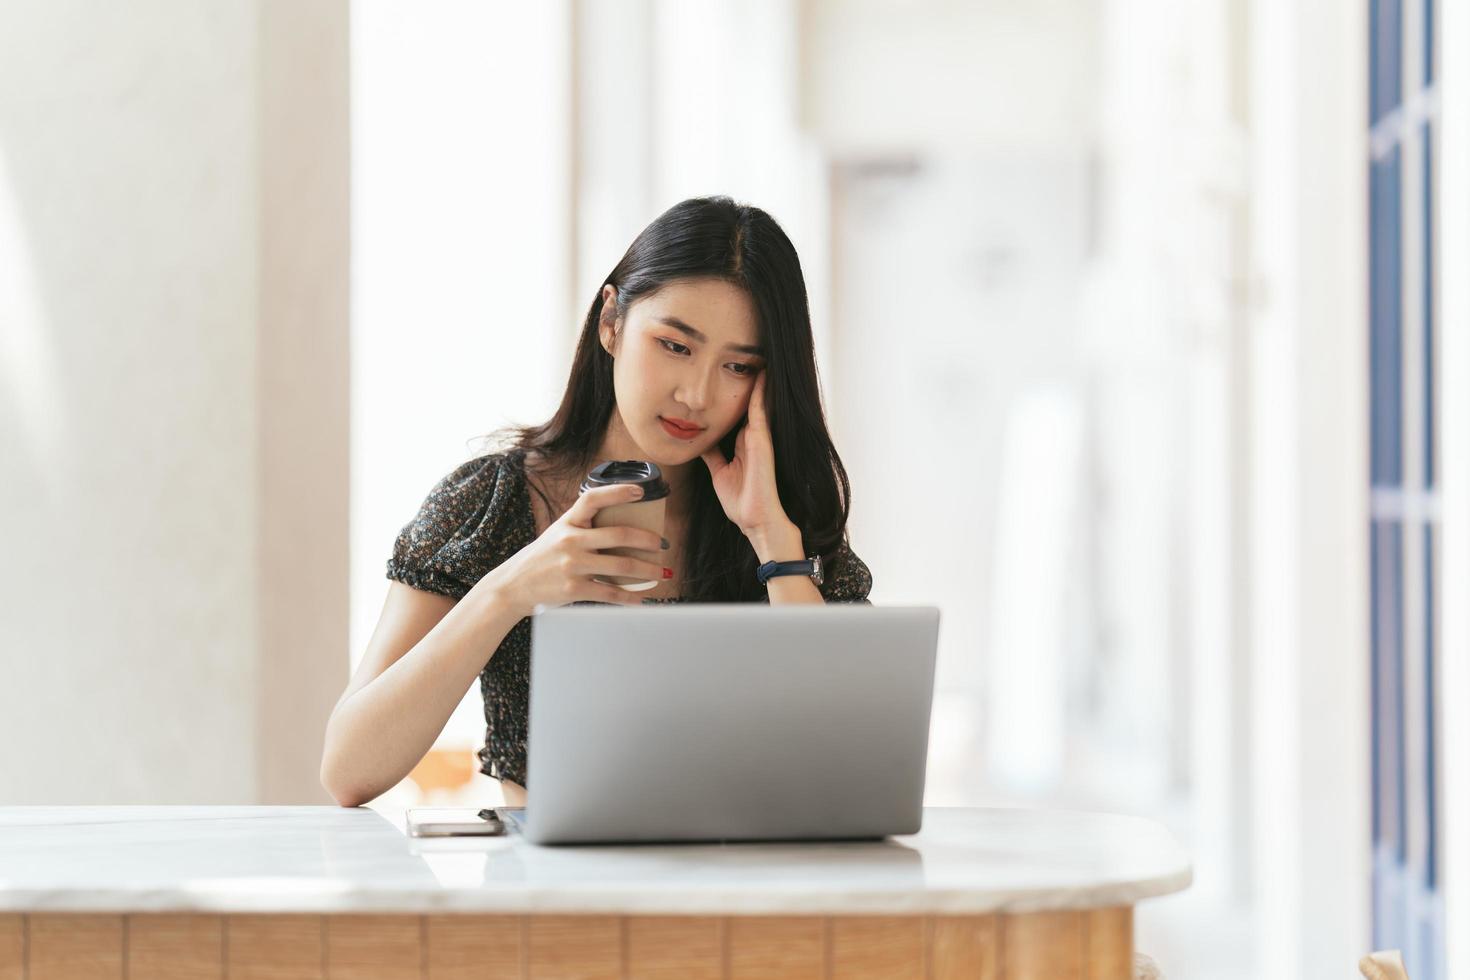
column 694, row 393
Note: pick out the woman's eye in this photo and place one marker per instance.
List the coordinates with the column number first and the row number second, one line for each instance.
column 745, row 370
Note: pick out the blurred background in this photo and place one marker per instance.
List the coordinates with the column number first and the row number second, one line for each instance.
column 1133, row 331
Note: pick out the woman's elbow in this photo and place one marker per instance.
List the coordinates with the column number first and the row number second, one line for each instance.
column 345, row 797
column 340, row 789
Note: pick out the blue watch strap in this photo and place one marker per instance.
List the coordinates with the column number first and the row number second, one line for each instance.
column 771, row 569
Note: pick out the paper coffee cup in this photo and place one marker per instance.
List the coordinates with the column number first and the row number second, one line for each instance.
column 646, row 512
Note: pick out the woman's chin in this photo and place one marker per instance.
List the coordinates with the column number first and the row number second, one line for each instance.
column 672, row 452
column 670, row 459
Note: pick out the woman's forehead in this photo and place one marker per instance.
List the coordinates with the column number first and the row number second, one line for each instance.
column 720, row 310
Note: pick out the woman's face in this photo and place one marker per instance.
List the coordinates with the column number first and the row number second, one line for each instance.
column 677, row 356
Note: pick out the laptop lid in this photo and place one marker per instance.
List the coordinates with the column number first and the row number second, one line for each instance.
column 728, row 721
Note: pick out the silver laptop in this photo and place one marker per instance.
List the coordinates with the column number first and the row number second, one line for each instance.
column 727, row 722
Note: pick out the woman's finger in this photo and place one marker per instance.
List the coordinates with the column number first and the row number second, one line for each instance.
column 585, row 506
column 619, row 536
column 757, row 408
column 613, row 595
column 636, row 568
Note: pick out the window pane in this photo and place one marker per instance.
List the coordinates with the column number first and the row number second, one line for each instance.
column 1385, row 51
column 1385, row 330
column 1427, row 299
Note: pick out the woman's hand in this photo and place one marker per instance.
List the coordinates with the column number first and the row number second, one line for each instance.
column 746, row 485
column 557, row 567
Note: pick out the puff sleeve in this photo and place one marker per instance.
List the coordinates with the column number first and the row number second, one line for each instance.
column 845, row 577
column 456, row 536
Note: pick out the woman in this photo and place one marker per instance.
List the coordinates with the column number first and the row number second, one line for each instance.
column 696, row 354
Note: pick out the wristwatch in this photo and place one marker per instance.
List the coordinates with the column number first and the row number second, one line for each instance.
column 807, row 566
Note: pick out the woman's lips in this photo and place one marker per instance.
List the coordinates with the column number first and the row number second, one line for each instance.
column 676, row 431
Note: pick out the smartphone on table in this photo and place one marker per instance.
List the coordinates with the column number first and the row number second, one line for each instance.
column 432, row 821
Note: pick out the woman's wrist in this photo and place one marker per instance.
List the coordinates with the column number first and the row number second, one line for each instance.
column 783, row 543
column 779, row 543
column 491, row 598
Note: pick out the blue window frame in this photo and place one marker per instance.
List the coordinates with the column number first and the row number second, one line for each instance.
column 1403, row 649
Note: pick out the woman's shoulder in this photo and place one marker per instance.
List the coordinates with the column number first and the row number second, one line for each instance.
column 469, row 521
column 475, row 486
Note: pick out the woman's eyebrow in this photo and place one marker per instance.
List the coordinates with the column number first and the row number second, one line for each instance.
column 689, row 331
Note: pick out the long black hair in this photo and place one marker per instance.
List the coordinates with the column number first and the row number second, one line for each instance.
column 714, row 237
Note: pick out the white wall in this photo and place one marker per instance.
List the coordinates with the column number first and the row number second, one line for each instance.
column 881, row 76
column 139, row 506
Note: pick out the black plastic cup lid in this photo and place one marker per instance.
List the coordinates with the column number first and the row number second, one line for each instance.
column 640, row 471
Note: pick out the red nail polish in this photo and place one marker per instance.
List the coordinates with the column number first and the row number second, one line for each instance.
column 668, row 573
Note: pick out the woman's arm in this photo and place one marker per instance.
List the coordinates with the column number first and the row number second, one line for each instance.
column 424, row 654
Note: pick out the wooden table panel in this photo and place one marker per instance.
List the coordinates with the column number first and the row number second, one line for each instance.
column 484, row 947
column 1109, row 942
column 75, row 947
column 12, row 946
column 374, row 947
column 1042, row 946
column 676, row 948
column 275, row 947
column 878, row 947
column 176, row 947
column 965, row 947
column 777, row 948
column 576, row 947
column 1063, row 945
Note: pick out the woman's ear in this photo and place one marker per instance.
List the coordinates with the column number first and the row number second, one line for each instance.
column 607, row 326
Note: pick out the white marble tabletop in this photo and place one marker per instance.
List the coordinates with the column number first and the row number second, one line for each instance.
column 326, row 859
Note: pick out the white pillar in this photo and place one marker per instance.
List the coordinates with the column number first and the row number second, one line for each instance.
column 173, row 281
column 1453, row 223
column 1309, row 510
